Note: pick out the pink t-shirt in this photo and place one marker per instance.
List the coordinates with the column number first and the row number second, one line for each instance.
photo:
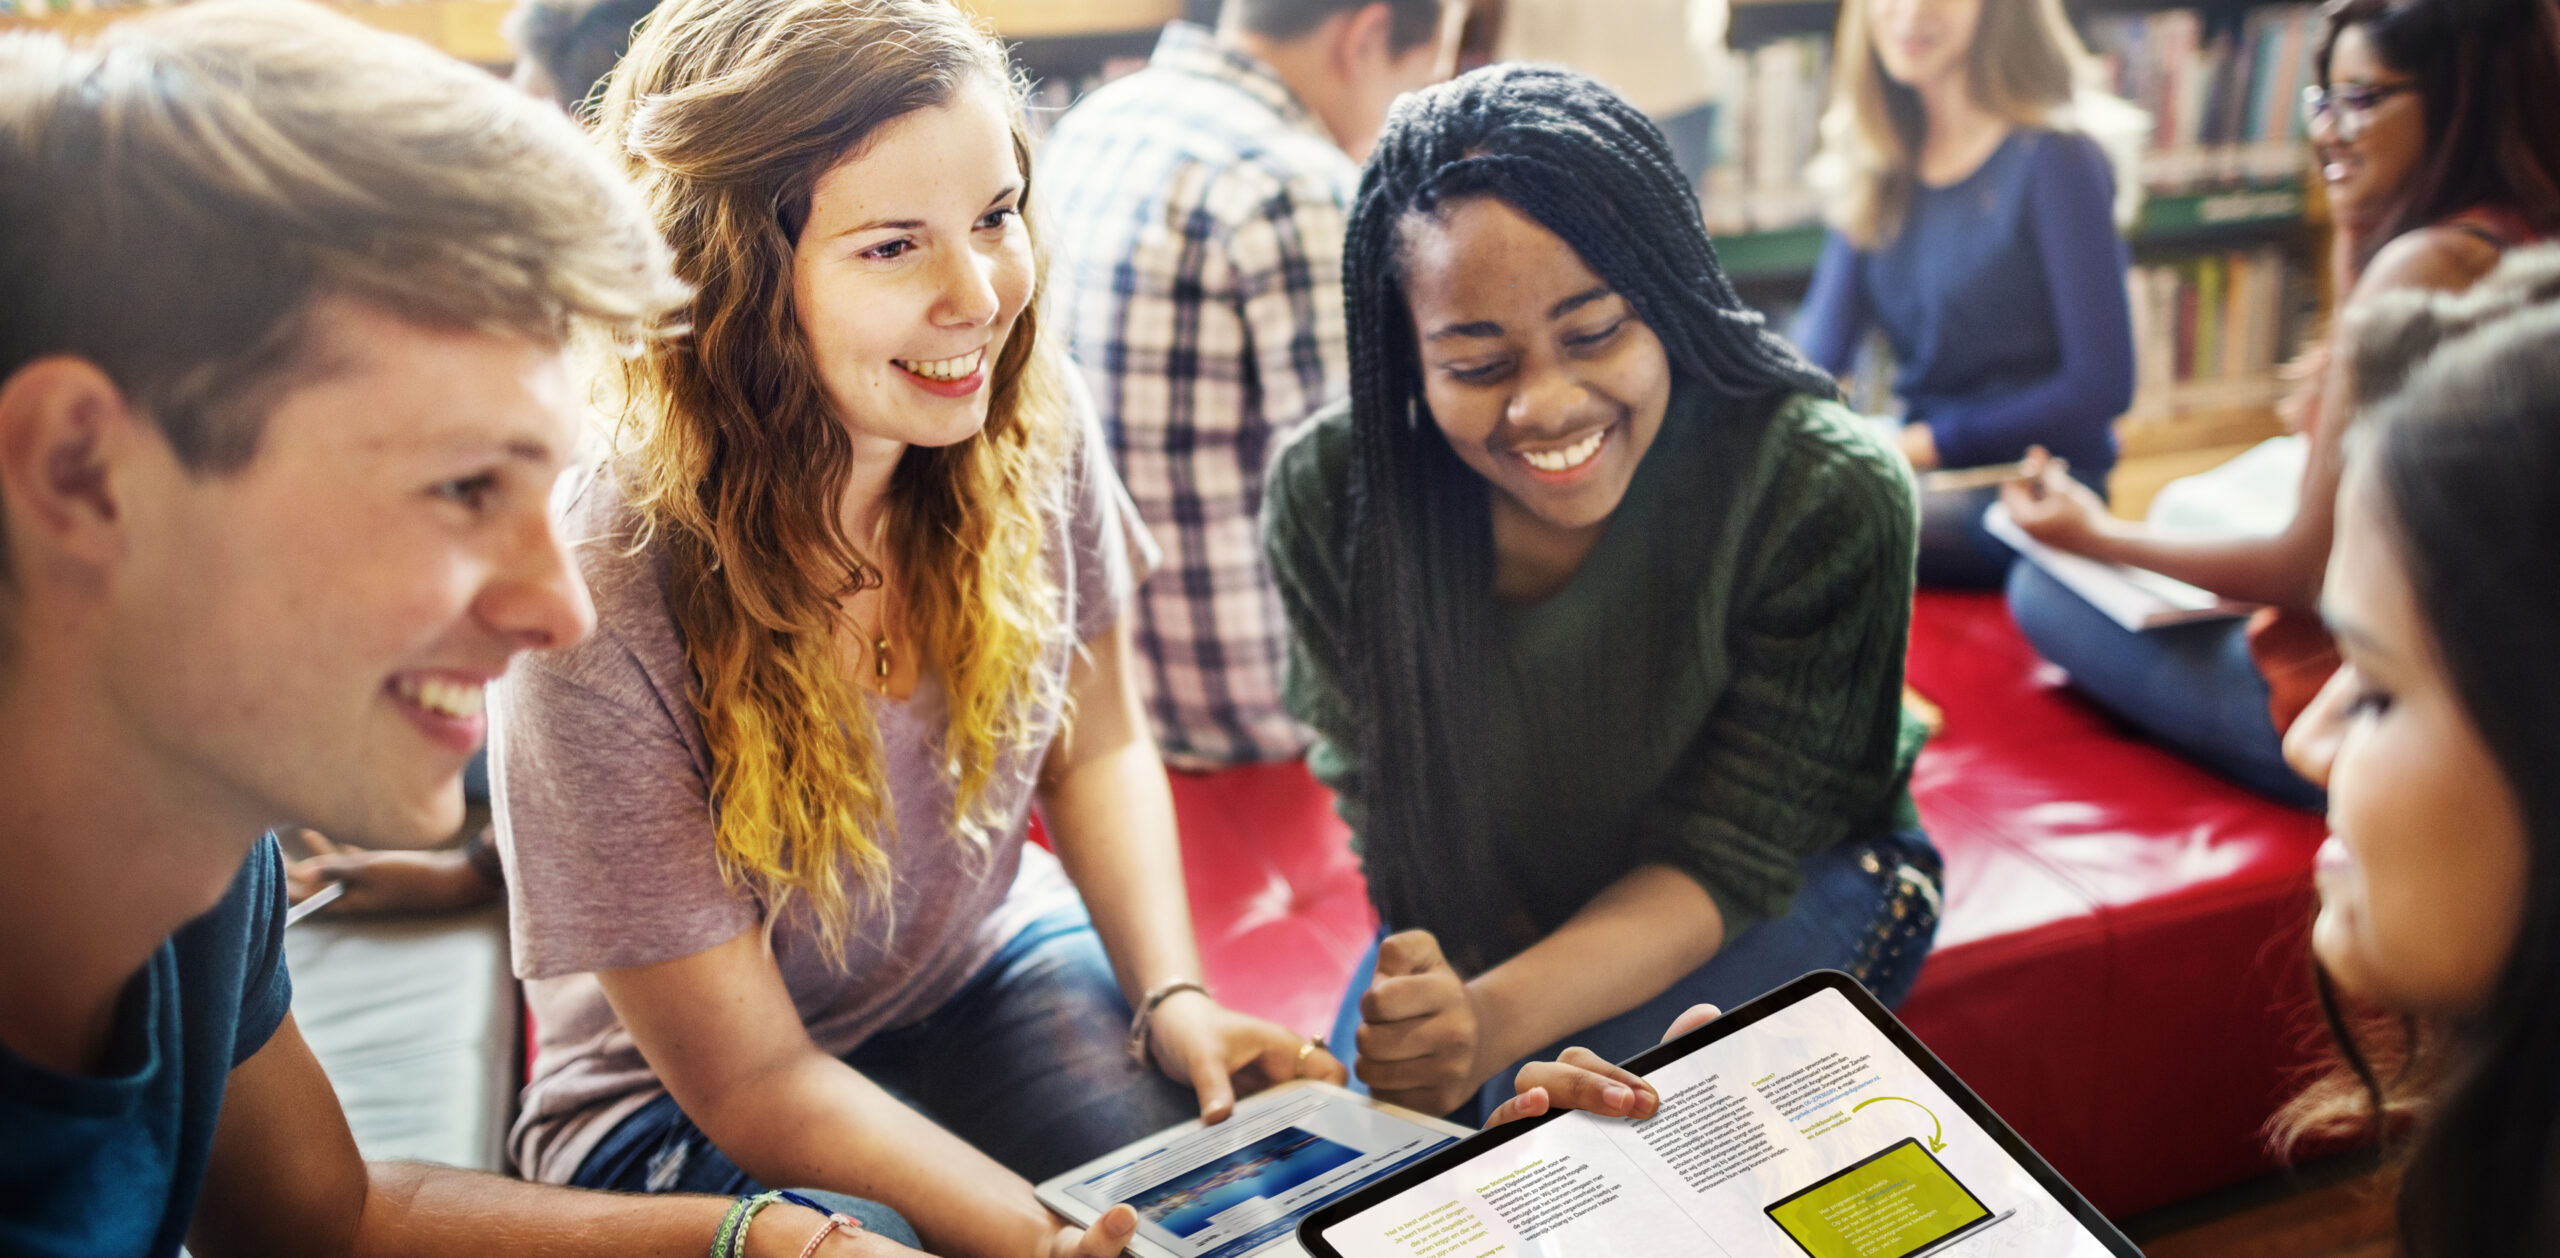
column 600, row 776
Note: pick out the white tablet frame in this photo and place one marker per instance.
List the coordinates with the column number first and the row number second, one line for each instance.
column 1053, row 1192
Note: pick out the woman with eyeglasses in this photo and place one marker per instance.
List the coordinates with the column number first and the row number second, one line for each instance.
column 2436, row 125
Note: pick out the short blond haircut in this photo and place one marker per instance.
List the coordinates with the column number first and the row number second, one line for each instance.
column 176, row 196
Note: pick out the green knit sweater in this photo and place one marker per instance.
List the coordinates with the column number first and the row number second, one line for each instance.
column 1769, row 728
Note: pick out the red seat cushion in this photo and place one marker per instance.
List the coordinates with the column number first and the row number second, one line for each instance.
column 2121, row 968
column 2120, row 971
column 1276, row 895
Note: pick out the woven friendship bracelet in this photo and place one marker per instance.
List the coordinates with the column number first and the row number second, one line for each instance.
column 732, row 1239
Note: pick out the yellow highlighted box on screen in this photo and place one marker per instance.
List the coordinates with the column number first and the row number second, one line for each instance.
column 1892, row 1205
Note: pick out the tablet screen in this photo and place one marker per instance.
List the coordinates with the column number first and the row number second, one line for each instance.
column 1241, row 1186
column 1805, row 1133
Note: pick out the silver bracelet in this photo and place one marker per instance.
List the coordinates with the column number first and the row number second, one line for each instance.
column 1146, row 1015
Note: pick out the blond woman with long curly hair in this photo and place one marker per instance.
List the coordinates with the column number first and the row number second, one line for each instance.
column 859, row 566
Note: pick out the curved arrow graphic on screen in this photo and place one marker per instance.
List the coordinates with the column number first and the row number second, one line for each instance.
column 1937, row 1138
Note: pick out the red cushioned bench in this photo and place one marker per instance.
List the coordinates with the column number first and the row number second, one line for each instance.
column 2121, row 967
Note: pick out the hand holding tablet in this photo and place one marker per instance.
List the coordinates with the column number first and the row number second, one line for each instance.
column 1806, row 1124
column 1196, row 1041
column 1238, row 1188
column 1583, row 1080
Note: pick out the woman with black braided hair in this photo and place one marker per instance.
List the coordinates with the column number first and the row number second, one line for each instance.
column 1599, row 602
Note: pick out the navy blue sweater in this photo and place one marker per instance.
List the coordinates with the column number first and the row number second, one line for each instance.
column 2003, row 297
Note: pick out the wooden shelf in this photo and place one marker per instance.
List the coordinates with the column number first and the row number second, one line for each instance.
column 468, row 29
column 2222, row 209
column 2167, row 218
column 1786, row 253
column 1041, row 19
column 2199, row 414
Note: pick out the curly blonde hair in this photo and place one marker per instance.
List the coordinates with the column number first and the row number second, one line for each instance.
column 726, row 114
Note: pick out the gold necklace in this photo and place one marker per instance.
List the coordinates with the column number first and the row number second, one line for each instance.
column 880, row 638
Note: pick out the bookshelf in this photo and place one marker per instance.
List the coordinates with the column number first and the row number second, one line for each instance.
column 1052, row 19
column 2229, row 248
column 468, row 29
column 1788, row 253
column 1063, row 32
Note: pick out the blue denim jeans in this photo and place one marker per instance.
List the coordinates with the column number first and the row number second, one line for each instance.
column 2193, row 688
column 1868, row 907
column 1027, row 1062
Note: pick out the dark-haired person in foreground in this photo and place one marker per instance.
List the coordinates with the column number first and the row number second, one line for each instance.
column 2440, row 882
column 1598, row 604
column 282, row 396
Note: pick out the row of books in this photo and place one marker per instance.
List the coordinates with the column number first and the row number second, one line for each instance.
column 1052, row 95
column 2219, row 317
column 2223, row 92
column 2211, row 320
column 50, row 8
column 57, row 8
column 1766, row 130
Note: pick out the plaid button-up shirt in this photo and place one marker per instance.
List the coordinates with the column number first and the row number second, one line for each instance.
column 1196, row 219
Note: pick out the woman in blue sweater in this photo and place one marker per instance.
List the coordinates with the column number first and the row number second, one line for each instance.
column 1974, row 221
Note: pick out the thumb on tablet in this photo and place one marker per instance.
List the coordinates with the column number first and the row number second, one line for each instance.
column 1109, row 1235
column 1217, row 1091
column 1696, row 1016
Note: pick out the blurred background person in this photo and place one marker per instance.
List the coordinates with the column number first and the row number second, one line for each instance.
column 564, row 48
column 2436, row 124
column 1199, row 206
column 1974, row 181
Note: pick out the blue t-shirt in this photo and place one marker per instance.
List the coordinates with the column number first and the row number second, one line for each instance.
column 109, row 1165
column 2003, row 297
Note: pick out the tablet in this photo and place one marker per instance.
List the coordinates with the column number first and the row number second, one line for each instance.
column 1806, row 1124
column 1241, row 1187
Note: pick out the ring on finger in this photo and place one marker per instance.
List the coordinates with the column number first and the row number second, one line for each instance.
column 1307, row 1050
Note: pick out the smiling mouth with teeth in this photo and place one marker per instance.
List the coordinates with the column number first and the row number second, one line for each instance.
column 1568, row 458
column 459, row 700
column 946, row 369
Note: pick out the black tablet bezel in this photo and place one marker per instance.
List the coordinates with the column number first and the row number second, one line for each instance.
column 1311, row 1229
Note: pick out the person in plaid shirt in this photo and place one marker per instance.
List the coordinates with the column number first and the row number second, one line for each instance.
column 1198, row 209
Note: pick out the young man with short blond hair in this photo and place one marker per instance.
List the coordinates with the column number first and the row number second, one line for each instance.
column 282, row 399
